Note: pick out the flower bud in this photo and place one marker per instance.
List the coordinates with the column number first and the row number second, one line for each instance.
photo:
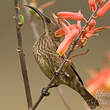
column 92, row 5
column 70, row 15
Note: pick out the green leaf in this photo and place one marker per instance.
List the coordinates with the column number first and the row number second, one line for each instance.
column 21, row 19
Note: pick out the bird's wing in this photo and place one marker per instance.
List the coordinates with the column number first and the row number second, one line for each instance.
column 72, row 72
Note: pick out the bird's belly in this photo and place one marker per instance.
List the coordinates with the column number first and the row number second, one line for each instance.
column 45, row 68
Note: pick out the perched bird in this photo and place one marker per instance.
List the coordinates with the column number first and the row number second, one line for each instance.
column 45, row 54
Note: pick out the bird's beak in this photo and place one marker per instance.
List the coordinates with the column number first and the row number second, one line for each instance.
column 44, row 18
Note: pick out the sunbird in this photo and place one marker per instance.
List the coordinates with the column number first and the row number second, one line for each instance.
column 44, row 50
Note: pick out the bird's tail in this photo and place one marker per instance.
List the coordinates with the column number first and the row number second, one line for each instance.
column 89, row 99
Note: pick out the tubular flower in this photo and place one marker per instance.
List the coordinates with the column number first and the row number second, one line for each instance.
column 70, row 31
column 60, row 32
column 104, row 9
column 92, row 23
column 67, row 41
column 100, row 80
column 91, row 31
column 92, row 5
column 100, row 2
column 91, row 26
column 70, row 34
column 101, row 28
column 70, row 15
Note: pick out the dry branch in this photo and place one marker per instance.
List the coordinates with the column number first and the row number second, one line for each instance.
column 22, row 57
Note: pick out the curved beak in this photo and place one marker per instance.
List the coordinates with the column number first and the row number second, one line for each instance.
column 44, row 18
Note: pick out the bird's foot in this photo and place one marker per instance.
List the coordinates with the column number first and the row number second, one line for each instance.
column 56, row 73
column 54, row 85
column 45, row 92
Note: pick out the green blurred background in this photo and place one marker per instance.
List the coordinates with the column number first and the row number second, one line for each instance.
column 12, row 95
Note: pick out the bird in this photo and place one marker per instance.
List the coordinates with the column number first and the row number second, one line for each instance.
column 44, row 50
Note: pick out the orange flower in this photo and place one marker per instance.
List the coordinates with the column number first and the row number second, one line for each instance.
column 70, row 15
column 71, row 31
column 67, row 41
column 60, row 32
column 91, row 26
column 100, row 80
column 70, row 34
column 104, row 9
column 92, row 5
column 100, row 2
column 101, row 28
column 91, row 31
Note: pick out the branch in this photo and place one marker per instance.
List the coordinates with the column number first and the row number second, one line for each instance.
column 22, row 58
column 57, row 72
column 44, row 92
column 59, row 90
column 47, row 4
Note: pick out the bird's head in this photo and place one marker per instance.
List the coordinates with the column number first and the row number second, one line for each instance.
column 49, row 26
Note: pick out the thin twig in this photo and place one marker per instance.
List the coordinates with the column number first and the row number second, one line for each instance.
column 71, row 49
column 22, row 58
column 60, row 92
column 43, row 94
column 47, row 4
column 36, row 34
column 79, row 54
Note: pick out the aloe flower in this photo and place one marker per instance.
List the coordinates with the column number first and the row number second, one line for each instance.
column 60, row 32
column 92, row 5
column 103, row 9
column 99, row 81
column 70, row 34
column 70, row 31
column 70, row 15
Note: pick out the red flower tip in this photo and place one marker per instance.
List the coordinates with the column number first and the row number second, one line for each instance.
column 92, row 5
column 102, row 2
column 104, row 9
column 67, row 41
column 101, row 28
column 70, row 15
column 61, row 32
column 91, row 25
column 89, row 32
column 101, row 80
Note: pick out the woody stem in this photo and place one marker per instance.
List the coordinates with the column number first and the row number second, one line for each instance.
column 71, row 49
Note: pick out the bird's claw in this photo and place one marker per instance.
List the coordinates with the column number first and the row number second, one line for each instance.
column 45, row 92
column 54, row 85
column 56, row 73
